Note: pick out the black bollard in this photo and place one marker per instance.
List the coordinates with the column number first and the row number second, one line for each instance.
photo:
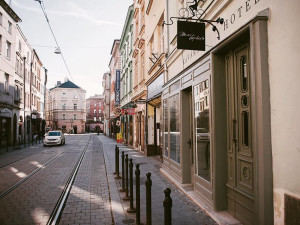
column 168, row 207
column 116, row 159
column 123, row 173
column 131, row 208
column 126, row 197
column 137, row 192
column 148, row 184
column 118, row 162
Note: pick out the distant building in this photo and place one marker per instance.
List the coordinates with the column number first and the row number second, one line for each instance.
column 115, row 92
column 66, row 108
column 106, row 94
column 94, row 114
column 126, row 79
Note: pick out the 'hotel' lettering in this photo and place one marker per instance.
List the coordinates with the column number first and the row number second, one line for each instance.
column 240, row 12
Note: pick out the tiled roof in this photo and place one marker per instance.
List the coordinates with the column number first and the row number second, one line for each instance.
column 67, row 84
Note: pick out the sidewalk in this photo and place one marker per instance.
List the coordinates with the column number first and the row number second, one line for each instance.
column 184, row 211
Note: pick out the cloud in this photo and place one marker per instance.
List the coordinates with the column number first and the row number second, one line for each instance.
column 73, row 11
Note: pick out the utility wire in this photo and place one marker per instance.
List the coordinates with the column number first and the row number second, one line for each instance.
column 45, row 14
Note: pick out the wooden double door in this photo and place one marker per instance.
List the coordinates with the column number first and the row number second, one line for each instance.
column 240, row 153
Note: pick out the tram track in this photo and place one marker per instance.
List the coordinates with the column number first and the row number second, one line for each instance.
column 43, row 151
column 58, row 209
column 13, row 187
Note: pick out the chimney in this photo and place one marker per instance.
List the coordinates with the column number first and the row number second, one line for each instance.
column 58, row 83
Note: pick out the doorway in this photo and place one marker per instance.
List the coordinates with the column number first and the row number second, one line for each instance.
column 188, row 168
column 241, row 161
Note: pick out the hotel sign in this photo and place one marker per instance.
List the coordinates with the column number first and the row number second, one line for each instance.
column 190, row 35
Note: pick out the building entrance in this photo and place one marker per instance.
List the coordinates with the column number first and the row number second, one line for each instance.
column 240, row 157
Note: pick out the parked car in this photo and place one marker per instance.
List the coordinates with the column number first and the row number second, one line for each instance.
column 54, row 138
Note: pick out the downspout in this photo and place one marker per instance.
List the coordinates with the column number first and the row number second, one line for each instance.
column 24, row 102
column 168, row 43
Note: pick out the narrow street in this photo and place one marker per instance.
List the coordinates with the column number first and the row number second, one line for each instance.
column 34, row 178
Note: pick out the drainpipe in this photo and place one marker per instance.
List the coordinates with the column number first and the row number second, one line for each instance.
column 24, row 102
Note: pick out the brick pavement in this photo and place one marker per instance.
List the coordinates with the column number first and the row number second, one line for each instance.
column 88, row 202
column 184, row 211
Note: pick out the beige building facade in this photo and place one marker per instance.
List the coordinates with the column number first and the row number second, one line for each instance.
column 67, row 108
column 230, row 132
column 139, row 74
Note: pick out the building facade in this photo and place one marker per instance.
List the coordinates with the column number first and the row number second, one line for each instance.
column 139, row 88
column 95, row 114
column 9, row 88
column 115, row 92
column 67, row 107
column 155, row 67
column 106, row 93
column 224, row 112
column 126, row 50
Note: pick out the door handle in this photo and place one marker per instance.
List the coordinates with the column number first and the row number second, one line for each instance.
column 234, row 139
column 189, row 142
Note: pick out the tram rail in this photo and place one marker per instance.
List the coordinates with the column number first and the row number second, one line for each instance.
column 13, row 187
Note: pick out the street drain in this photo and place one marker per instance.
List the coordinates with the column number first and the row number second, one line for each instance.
column 128, row 221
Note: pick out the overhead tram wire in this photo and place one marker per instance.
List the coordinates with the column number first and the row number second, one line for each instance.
column 60, row 52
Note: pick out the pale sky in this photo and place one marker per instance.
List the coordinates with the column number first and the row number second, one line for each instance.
column 85, row 31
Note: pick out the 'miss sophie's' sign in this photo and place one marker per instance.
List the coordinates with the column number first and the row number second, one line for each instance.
column 190, row 35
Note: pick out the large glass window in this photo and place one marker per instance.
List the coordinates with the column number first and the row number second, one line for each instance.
column 174, row 128
column 166, row 124
column 201, row 97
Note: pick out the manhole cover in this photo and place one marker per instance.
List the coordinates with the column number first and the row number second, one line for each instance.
column 128, row 221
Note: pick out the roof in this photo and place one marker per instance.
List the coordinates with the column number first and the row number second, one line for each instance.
column 67, row 84
column 10, row 11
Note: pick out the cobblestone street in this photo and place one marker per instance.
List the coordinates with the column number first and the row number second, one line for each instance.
column 32, row 180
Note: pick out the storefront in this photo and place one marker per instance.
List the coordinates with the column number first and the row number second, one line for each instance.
column 5, row 127
column 213, row 109
column 128, row 112
column 153, row 134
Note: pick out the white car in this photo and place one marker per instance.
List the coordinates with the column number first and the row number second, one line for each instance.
column 54, row 138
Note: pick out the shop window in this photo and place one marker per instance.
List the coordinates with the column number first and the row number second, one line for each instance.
column 166, row 124
column 202, row 131
column 174, row 128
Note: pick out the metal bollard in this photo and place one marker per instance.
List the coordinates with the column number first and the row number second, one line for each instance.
column 131, row 208
column 168, row 207
column 137, row 192
column 126, row 197
column 123, row 173
column 148, row 184
column 118, row 161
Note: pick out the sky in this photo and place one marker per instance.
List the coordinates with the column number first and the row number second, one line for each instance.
column 85, row 31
